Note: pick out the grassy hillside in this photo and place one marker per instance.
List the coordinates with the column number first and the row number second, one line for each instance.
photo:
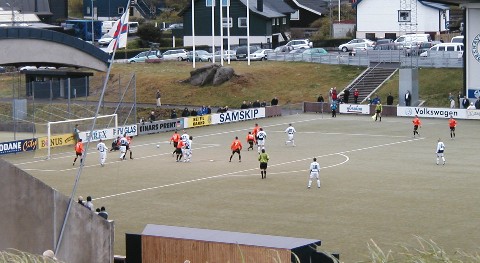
column 291, row 82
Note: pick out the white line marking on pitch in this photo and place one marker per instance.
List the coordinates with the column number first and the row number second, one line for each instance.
column 248, row 170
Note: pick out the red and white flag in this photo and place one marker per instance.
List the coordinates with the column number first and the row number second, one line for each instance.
column 119, row 32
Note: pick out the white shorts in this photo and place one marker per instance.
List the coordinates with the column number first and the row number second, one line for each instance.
column 313, row 175
column 261, row 142
column 290, row 137
column 123, row 149
column 440, row 154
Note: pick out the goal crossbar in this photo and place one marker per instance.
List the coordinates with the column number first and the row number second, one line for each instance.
column 74, row 120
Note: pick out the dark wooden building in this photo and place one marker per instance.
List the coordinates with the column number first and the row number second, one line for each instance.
column 56, row 84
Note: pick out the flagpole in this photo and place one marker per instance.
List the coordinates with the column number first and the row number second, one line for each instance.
column 221, row 34
column 84, row 157
column 228, row 32
column 213, row 29
column 193, row 32
column 248, row 32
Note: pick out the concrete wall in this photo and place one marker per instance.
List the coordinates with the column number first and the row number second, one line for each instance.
column 31, row 218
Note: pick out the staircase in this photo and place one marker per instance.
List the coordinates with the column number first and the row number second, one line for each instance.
column 369, row 81
column 144, row 9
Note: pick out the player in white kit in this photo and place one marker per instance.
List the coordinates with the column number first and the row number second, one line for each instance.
column 185, row 137
column 188, row 150
column 314, row 173
column 261, row 138
column 290, row 131
column 102, row 149
column 440, row 150
column 123, row 147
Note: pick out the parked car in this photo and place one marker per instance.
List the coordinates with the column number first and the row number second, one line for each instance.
column 175, row 54
column 361, row 48
column 241, row 52
column 282, row 49
column 173, row 26
column 445, row 47
column 2, row 70
column 389, row 46
column 260, row 54
column 299, row 44
column 410, row 40
column 200, row 55
column 142, row 56
column 226, row 54
column 382, row 42
column 315, row 51
column 354, row 43
column 457, row 39
column 297, row 51
column 105, row 40
column 420, row 48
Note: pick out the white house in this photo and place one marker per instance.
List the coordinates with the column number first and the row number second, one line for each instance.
column 390, row 19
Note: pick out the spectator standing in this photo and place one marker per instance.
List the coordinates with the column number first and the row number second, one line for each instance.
column 320, row 98
column 314, row 173
column 274, row 101
column 185, row 112
column 376, row 100
column 290, row 131
column 263, row 159
column 389, row 99
column 193, row 113
column 78, row 151
column 89, row 203
column 334, row 94
column 452, row 103
column 333, row 107
column 452, row 123
column 477, row 104
column 102, row 149
column 355, row 96
column 158, row 96
column 330, row 92
column 236, row 147
column 465, row 102
column 103, row 213
column 263, row 104
column 173, row 115
column 408, row 98
column 209, row 109
column 152, row 116
column 459, row 99
column 346, row 95
column 440, row 151
column 471, row 107
column 256, row 104
column 416, row 124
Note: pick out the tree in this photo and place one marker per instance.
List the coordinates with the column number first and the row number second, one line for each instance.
column 148, row 32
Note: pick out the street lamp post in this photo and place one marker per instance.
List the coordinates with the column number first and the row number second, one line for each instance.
column 13, row 14
column 93, row 29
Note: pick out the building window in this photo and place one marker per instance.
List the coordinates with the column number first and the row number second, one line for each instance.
column 242, row 41
column 295, row 16
column 227, row 21
column 209, row 2
column 390, row 35
column 242, row 22
column 273, row 22
column 370, row 36
column 225, row 2
column 121, row 10
column 284, row 20
column 277, row 21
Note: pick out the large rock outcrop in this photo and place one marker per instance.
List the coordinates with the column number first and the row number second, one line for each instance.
column 213, row 74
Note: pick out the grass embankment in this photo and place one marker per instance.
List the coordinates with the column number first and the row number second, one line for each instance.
column 291, row 82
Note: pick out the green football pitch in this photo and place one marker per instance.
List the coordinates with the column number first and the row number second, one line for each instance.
column 377, row 183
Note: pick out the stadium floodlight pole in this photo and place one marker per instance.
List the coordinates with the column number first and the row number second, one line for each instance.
column 248, row 32
column 228, row 32
column 221, row 34
column 93, row 29
column 339, row 7
column 82, row 163
column 193, row 30
column 213, row 29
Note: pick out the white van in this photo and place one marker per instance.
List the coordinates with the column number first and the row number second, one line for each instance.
column 412, row 39
column 443, row 47
column 106, row 25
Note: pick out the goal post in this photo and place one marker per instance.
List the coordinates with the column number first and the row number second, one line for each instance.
column 87, row 122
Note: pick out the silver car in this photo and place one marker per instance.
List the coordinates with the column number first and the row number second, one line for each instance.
column 357, row 42
column 175, row 54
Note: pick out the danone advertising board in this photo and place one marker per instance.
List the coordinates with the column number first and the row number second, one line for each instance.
column 238, row 115
column 18, row 146
column 354, row 108
column 431, row 112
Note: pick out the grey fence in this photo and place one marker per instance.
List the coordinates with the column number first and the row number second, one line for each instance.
column 438, row 59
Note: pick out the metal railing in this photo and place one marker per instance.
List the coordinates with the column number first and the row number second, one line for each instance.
column 449, row 59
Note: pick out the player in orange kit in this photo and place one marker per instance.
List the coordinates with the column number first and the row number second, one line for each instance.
column 416, row 124
column 452, row 123
column 236, row 148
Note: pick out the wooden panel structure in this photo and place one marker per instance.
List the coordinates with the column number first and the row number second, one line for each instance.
column 169, row 244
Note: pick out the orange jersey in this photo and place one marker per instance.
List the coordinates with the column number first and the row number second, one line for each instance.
column 452, row 123
column 79, row 147
column 180, row 144
column 256, row 129
column 175, row 137
column 236, row 145
column 417, row 122
column 250, row 138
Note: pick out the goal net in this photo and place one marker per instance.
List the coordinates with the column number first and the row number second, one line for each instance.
column 66, row 133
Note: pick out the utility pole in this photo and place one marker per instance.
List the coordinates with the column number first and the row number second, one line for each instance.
column 93, row 29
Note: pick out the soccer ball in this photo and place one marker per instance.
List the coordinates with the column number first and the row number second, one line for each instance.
column 158, row 146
